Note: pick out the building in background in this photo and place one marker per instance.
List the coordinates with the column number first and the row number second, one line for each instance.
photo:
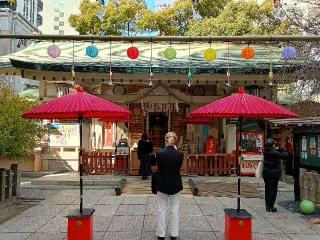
column 154, row 5
column 56, row 15
column 20, row 17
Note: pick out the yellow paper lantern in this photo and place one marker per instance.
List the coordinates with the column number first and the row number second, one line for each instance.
column 210, row 54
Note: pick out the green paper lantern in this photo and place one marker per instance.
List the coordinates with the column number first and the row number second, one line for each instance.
column 210, row 54
column 307, row 207
column 170, row 53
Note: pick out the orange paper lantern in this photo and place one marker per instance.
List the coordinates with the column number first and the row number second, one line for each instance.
column 248, row 53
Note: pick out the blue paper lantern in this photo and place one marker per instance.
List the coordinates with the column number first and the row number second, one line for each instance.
column 289, row 53
column 92, row 51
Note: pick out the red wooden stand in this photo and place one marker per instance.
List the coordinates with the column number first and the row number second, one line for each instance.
column 238, row 225
column 80, row 225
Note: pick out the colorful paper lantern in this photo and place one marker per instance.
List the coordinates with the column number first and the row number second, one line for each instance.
column 54, row 51
column 210, row 54
column 289, row 53
column 248, row 53
column 92, row 51
column 170, row 53
column 307, row 207
column 133, row 52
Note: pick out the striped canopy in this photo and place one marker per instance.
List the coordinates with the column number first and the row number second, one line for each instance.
column 75, row 106
column 243, row 105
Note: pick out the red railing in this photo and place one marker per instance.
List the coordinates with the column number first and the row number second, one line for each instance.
column 105, row 163
column 218, row 164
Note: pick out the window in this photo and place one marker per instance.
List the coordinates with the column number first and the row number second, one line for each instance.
column 56, row 19
column 61, row 14
column 56, row 28
column 61, row 23
column 61, row 32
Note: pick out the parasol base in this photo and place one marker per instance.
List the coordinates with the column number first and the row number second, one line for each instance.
column 80, row 225
column 238, row 225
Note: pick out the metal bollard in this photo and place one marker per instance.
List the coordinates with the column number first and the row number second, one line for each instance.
column 8, row 187
column 2, row 185
column 15, row 180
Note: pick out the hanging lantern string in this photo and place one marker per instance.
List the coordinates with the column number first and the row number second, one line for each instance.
column 110, row 67
column 150, row 66
column 110, row 55
column 151, row 53
column 271, row 65
column 228, row 66
column 73, row 74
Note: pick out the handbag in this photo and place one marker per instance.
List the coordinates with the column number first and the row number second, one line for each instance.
column 259, row 171
column 154, row 181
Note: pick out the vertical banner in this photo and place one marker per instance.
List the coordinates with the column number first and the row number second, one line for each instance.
column 108, row 141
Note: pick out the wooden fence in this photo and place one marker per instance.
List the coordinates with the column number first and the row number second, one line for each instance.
column 9, row 182
column 218, row 164
column 106, row 163
column 200, row 164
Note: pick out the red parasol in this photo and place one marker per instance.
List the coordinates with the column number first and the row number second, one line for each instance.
column 242, row 105
column 197, row 120
column 78, row 105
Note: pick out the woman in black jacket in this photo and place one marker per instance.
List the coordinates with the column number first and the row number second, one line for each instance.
column 145, row 150
column 272, row 173
column 169, row 184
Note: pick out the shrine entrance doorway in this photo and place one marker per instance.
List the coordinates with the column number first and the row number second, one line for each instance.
column 158, row 127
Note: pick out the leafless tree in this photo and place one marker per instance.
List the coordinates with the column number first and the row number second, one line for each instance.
column 304, row 16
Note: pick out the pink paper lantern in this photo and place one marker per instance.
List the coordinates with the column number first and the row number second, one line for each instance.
column 54, row 51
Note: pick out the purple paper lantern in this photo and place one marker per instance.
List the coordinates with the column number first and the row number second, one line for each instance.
column 289, row 53
column 54, row 51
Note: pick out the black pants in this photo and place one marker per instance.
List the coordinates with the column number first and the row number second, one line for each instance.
column 145, row 166
column 271, row 189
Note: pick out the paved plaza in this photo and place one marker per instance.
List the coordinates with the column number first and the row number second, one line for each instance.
column 134, row 217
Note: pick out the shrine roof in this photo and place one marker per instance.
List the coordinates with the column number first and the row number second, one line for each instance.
column 36, row 57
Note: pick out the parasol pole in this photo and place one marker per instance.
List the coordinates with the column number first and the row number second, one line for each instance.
column 81, row 167
column 239, row 165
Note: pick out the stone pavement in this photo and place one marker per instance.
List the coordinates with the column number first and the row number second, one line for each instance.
column 134, row 218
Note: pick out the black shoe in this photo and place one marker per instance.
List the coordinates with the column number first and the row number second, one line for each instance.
column 273, row 209
column 174, row 238
column 268, row 209
column 161, row 238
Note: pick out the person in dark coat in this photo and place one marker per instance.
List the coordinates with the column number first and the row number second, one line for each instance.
column 145, row 150
column 272, row 173
column 169, row 184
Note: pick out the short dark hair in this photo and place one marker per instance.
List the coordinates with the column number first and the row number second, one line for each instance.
column 270, row 142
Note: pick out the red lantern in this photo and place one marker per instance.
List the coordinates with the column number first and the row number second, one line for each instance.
column 133, row 52
column 247, row 53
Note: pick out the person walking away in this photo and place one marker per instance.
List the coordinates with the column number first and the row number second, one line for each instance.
column 169, row 184
column 145, row 149
column 272, row 173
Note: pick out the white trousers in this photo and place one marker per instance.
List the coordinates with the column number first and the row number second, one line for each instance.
column 163, row 201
